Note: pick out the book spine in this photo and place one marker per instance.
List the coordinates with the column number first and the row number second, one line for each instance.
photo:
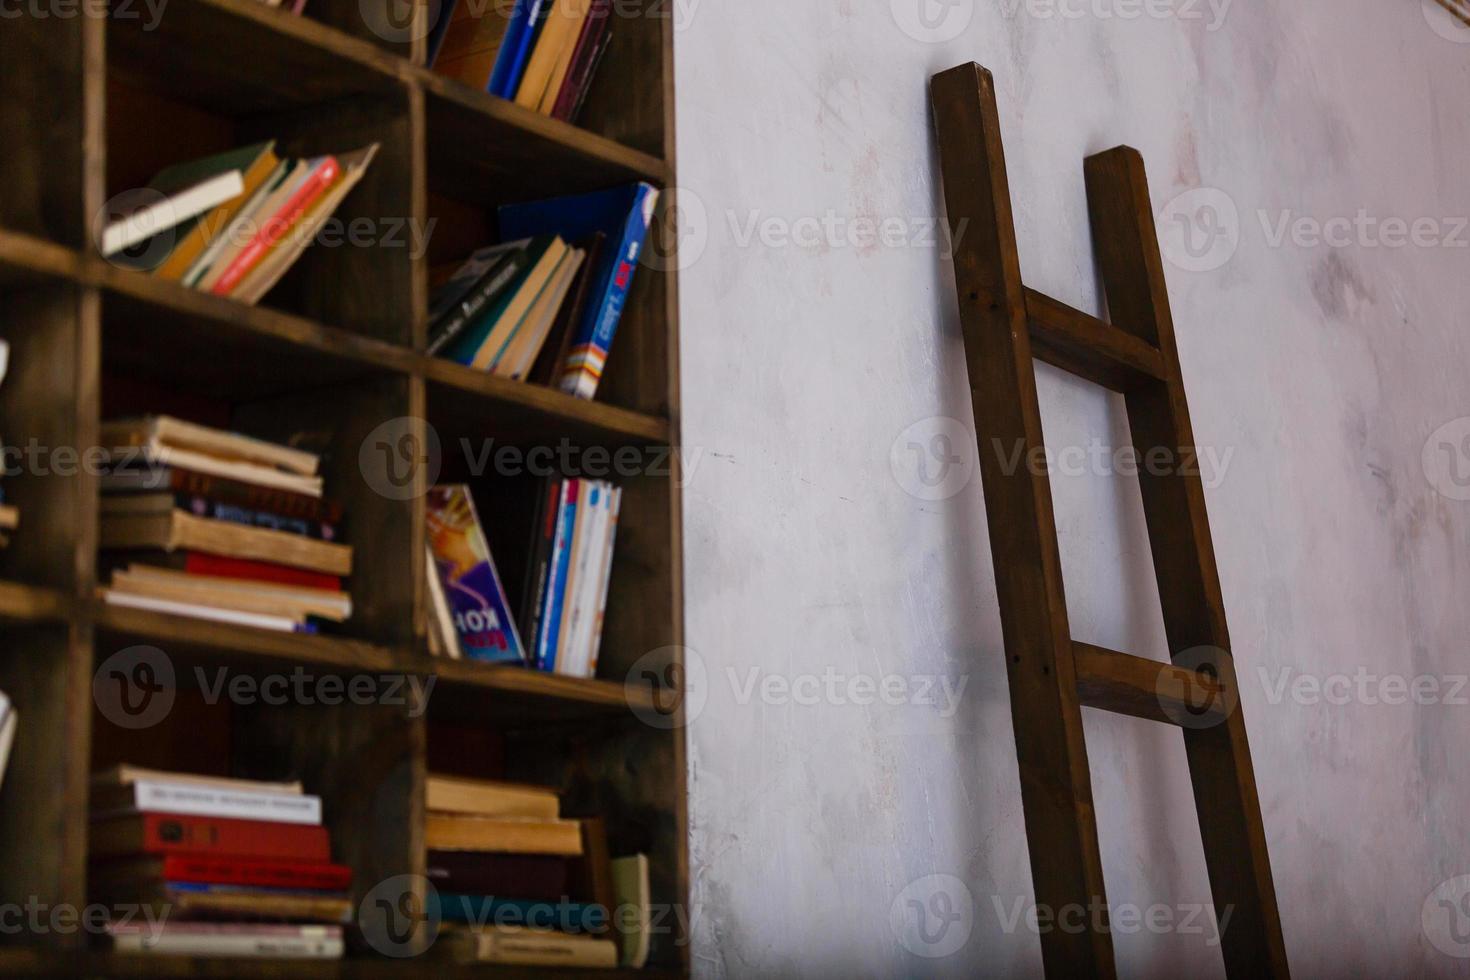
column 206, row 801
column 470, row 308
column 535, row 591
column 605, row 578
column 235, row 514
column 589, row 354
column 583, row 58
column 218, row 566
column 600, row 52
column 514, row 48
column 316, row 877
column 276, row 227
column 166, row 833
column 283, row 503
column 555, row 586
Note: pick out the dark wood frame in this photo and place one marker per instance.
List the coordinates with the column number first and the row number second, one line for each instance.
column 1052, row 676
column 92, row 99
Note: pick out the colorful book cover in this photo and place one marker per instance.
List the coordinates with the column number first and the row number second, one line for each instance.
column 553, row 602
column 624, row 214
column 520, row 37
column 467, row 571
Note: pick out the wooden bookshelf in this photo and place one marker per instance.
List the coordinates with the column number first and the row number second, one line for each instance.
column 94, row 105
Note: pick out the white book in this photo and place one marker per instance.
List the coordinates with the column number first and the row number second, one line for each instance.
column 123, row 775
column 615, row 508
column 580, row 661
column 263, row 621
column 194, row 799
column 226, row 939
column 591, row 495
column 191, row 202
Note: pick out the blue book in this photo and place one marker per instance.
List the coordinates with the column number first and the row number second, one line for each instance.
column 561, row 557
column 624, row 215
column 515, row 50
column 439, row 31
column 491, row 910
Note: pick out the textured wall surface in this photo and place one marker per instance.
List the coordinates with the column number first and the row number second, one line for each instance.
column 853, row 738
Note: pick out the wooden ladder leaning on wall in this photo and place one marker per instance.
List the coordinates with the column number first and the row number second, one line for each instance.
column 1052, row 676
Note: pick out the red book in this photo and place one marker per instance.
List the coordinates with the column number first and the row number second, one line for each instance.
column 218, row 566
column 274, row 228
column 256, row 873
column 579, row 75
column 167, row 833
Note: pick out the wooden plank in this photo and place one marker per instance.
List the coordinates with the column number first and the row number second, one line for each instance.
column 462, row 400
column 535, row 155
column 1184, row 564
column 1088, row 347
column 1061, row 826
column 1149, row 689
column 211, row 53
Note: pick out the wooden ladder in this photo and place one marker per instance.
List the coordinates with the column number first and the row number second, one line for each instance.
column 1052, row 676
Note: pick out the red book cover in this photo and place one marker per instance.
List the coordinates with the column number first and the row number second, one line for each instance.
column 167, row 833
column 273, row 229
column 579, row 74
column 259, row 874
column 218, row 566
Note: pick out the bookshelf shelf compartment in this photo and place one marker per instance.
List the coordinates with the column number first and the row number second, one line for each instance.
column 212, row 52
column 486, row 151
column 225, row 348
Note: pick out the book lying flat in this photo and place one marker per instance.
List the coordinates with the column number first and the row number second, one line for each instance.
column 123, row 775
column 272, row 941
column 249, row 872
column 165, row 796
column 163, row 833
column 280, row 624
column 164, row 431
column 123, row 480
column 178, row 530
column 488, row 798
column 454, row 832
column 529, row 947
column 538, row 877
column 268, row 598
column 155, row 503
column 184, row 903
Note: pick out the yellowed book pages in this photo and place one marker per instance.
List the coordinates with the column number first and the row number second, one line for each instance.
column 490, row 798
column 525, row 297
column 165, row 431
column 453, row 832
column 179, row 529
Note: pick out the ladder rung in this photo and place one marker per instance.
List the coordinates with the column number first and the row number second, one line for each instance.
column 1129, row 685
column 1088, row 347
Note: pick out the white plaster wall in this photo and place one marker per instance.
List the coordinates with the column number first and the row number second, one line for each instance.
column 1321, row 370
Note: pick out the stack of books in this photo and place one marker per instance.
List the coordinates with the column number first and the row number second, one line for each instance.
column 207, row 523
column 543, row 56
column 232, row 224
column 544, row 304
column 564, row 593
column 218, row 867
column 503, row 864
